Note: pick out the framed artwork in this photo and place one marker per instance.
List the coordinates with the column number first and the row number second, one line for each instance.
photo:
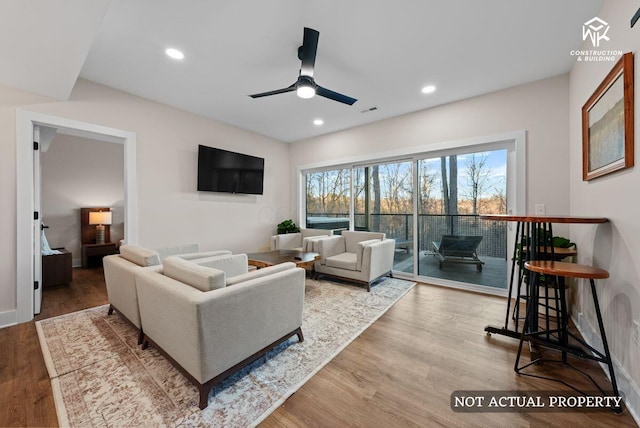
column 607, row 123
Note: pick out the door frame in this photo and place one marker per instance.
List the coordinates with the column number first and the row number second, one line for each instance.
column 25, row 192
column 516, row 183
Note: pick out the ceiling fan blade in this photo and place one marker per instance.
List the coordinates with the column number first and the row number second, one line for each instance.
column 327, row 93
column 309, row 49
column 276, row 92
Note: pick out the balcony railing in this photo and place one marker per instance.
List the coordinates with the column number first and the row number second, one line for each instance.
column 431, row 227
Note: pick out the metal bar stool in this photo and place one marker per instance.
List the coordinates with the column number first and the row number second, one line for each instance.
column 558, row 338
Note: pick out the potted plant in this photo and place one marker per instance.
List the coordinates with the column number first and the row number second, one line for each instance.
column 546, row 283
column 288, row 226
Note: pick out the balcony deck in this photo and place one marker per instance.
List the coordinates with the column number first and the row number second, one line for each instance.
column 494, row 271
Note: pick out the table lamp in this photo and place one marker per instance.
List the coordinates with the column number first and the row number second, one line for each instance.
column 100, row 219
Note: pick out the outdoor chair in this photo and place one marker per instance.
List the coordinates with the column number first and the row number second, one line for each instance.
column 458, row 249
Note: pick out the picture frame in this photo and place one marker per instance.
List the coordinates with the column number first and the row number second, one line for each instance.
column 607, row 123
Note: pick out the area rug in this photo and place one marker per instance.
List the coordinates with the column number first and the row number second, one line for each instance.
column 100, row 377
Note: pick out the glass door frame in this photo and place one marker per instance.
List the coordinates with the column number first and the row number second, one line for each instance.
column 515, row 144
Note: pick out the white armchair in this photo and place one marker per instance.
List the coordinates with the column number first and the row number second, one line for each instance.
column 210, row 329
column 301, row 241
column 361, row 257
column 120, row 270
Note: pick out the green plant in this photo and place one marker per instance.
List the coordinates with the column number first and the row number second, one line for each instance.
column 288, row 226
column 544, row 240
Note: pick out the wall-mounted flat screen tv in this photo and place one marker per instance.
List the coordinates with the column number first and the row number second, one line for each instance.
column 224, row 171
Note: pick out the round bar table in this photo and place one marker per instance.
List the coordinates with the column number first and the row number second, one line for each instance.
column 532, row 232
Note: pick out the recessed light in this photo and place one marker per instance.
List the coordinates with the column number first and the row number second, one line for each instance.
column 318, row 122
column 428, row 89
column 174, row 53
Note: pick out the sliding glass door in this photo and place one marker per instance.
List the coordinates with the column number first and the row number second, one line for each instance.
column 328, row 199
column 383, row 202
column 430, row 204
column 454, row 243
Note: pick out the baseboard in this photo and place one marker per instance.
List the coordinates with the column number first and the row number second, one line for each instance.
column 76, row 263
column 626, row 385
column 8, row 318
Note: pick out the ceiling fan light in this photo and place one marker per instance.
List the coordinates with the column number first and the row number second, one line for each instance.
column 305, row 91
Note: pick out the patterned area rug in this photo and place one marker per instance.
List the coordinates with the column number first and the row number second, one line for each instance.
column 100, row 377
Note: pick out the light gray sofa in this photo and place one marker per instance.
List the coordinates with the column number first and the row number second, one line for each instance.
column 301, row 241
column 209, row 326
column 120, row 270
column 361, row 257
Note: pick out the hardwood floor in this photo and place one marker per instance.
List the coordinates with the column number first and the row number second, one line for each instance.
column 25, row 388
column 399, row 372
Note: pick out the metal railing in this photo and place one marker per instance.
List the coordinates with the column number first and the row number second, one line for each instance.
column 431, row 227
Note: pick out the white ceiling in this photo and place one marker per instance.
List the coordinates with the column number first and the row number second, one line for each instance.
column 380, row 52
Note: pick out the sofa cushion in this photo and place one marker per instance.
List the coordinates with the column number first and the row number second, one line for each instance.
column 343, row 261
column 140, row 256
column 201, row 277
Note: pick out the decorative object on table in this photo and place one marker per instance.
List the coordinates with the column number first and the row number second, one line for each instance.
column 90, row 356
column 91, row 251
column 607, row 123
column 550, row 248
column 288, row 226
column 100, row 219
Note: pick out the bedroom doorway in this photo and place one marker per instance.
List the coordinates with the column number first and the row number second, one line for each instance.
column 29, row 221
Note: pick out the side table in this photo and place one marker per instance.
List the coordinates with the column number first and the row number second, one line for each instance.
column 90, row 252
column 56, row 268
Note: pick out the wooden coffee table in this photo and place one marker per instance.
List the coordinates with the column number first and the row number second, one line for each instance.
column 269, row 258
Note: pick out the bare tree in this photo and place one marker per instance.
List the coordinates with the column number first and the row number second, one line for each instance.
column 426, row 183
column 477, row 176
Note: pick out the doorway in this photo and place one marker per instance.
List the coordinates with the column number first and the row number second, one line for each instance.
column 28, row 221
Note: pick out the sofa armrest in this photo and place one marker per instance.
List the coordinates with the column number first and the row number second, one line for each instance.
column 360, row 249
column 330, row 246
column 119, row 277
column 287, row 241
column 209, row 332
column 309, row 243
column 377, row 258
column 259, row 273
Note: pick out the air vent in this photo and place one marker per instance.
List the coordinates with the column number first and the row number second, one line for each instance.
column 369, row 109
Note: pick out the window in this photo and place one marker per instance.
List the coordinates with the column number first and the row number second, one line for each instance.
column 328, row 198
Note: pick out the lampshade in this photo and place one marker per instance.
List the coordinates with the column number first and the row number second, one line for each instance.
column 100, row 217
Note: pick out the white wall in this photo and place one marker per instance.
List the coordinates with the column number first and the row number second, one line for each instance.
column 170, row 210
column 540, row 108
column 614, row 246
column 80, row 172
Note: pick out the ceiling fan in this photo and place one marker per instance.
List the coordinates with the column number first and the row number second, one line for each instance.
column 305, row 86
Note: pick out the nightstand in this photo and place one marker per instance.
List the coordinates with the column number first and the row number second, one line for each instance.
column 56, row 268
column 91, row 253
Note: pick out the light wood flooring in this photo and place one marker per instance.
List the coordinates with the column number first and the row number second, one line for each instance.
column 400, row 372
